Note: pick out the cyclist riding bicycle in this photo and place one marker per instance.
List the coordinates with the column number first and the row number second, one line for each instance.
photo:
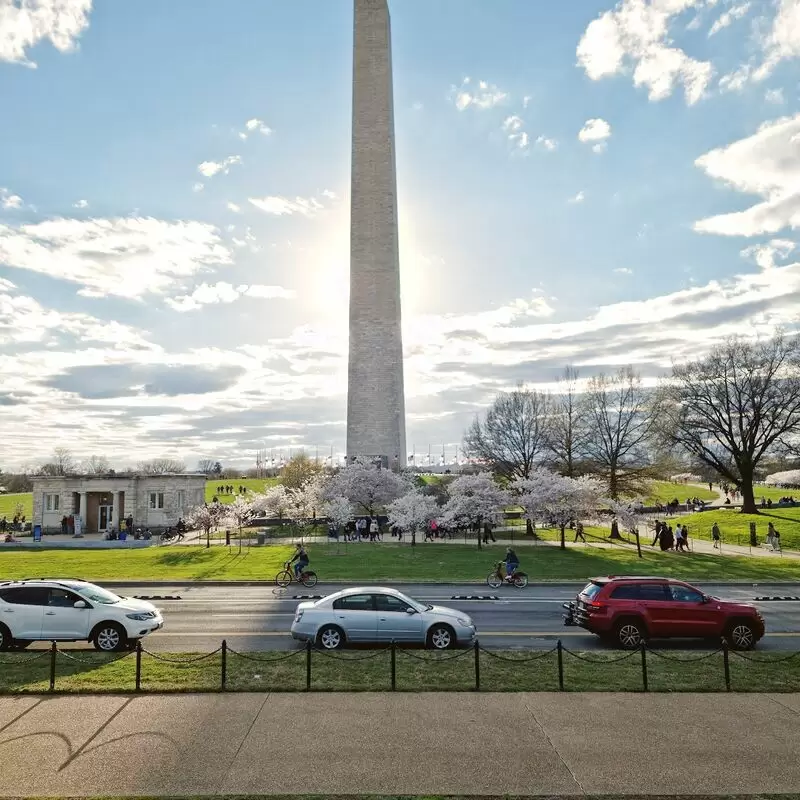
column 512, row 563
column 301, row 557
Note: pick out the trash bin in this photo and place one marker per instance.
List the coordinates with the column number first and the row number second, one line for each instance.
column 261, row 538
column 123, row 535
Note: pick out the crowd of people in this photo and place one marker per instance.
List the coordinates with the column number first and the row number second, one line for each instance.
column 667, row 539
column 16, row 524
column 229, row 489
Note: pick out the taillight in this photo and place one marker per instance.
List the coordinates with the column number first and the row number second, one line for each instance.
column 597, row 604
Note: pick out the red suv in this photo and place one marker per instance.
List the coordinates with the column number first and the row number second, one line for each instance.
column 629, row 610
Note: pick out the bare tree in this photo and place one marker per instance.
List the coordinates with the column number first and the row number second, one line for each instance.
column 62, row 463
column 620, row 425
column 567, row 428
column 729, row 409
column 160, row 466
column 96, row 465
column 513, row 435
column 206, row 465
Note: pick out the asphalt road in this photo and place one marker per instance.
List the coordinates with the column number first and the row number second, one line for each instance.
column 259, row 618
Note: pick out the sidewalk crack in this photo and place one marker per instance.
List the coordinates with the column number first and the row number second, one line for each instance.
column 783, row 705
column 555, row 749
column 244, row 739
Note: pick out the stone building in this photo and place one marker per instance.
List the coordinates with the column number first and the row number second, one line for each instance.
column 154, row 501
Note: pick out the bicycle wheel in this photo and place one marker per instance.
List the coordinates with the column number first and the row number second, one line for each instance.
column 521, row 580
column 494, row 580
column 283, row 578
column 309, row 579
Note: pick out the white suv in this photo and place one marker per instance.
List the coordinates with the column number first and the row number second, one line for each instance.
column 71, row 611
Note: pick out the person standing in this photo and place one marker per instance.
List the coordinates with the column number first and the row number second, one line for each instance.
column 715, row 535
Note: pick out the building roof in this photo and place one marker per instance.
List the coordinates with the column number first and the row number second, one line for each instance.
column 117, row 475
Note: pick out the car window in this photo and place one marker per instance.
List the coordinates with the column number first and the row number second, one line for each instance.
column 61, row 598
column 591, row 589
column 683, row 594
column 97, row 595
column 26, row 595
column 388, row 602
column 628, row 591
column 653, row 591
column 355, row 602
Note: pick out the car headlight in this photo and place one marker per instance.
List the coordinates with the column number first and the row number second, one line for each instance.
column 465, row 623
column 141, row 616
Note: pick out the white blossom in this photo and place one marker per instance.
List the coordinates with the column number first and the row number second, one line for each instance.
column 275, row 502
column 205, row 517
column 474, row 499
column 338, row 510
column 239, row 513
column 413, row 511
column 790, row 477
column 366, row 486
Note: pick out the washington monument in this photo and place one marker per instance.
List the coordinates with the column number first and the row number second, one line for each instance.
column 376, row 417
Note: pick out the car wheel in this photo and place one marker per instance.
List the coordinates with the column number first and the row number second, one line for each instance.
column 741, row 636
column 5, row 638
column 331, row 637
column 630, row 634
column 441, row 637
column 21, row 644
column 109, row 637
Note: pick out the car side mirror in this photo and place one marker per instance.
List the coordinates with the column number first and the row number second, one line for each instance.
column 410, row 610
column 80, row 604
column 706, row 599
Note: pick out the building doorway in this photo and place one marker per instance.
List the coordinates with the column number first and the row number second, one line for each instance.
column 104, row 514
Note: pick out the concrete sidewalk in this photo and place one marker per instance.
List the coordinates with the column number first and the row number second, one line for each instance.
column 400, row 743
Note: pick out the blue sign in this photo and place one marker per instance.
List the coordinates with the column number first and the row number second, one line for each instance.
column 37, row 533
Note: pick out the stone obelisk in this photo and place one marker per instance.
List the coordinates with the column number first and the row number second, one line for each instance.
column 376, row 424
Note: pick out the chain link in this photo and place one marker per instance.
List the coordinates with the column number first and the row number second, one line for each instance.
column 92, row 662
column 519, row 660
column 182, row 660
column 684, row 660
column 764, row 660
column 437, row 658
column 294, row 653
column 349, row 658
column 24, row 658
column 601, row 661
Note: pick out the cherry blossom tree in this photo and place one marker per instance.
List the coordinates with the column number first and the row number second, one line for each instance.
column 413, row 511
column 338, row 510
column 205, row 518
column 789, row 478
column 238, row 514
column 552, row 499
column 631, row 517
column 474, row 500
column 274, row 502
column 366, row 486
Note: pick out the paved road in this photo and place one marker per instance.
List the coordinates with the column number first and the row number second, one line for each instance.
column 459, row 743
column 256, row 618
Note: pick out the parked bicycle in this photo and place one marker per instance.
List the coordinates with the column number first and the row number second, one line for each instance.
column 496, row 578
column 307, row 577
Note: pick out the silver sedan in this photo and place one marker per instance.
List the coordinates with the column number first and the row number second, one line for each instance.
column 377, row 614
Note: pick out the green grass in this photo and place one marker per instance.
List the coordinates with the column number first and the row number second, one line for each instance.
column 774, row 493
column 735, row 526
column 9, row 502
column 666, row 491
column 416, row 670
column 362, row 562
column 253, row 486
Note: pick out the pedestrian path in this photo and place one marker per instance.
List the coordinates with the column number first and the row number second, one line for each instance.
column 440, row 743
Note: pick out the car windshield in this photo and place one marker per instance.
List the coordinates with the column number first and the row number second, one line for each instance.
column 591, row 589
column 414, row 603
column 97, row 595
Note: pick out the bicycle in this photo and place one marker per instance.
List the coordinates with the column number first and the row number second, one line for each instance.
column 307, row 577
column 495, row 577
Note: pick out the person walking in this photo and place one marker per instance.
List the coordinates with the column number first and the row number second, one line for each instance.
column 658, row 533
column 678, row 538
column 715, row 535
column 579, row 532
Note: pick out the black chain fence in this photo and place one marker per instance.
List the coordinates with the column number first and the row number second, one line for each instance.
column 312, row 668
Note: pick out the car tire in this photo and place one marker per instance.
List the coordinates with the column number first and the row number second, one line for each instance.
column 740, row 635
column 441, row 637
column 630, row 634
column 109, row 637
column 5, row 638
column 331, row 637
column 21, row 644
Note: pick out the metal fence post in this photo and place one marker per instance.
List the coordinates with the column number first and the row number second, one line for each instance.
column 394, row 666
column 560, row 649
column 727, row 664
column 138, row 666
column 224, row 665
column 644, row 666
column 53, row 651
column 477, row 667
column 308, row 666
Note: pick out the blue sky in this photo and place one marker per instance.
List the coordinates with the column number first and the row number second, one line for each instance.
column 589, row 183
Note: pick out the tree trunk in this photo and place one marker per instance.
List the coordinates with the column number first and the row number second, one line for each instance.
column 612, row 483
column 748, row 495
column 563, row 540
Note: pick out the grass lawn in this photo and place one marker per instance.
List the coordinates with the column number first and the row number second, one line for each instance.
column 774, row 493
column 362, row 562
column 9, row 502
column 253, row 486
column 735, row 526
column 416, row 670
column 465, row 797
column 665, row 491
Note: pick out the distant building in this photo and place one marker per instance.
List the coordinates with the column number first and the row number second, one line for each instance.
column 154, row 501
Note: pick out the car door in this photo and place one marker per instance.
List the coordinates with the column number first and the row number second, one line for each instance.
column 355, row 614
column 692, row 616
column 61, row 620
column 395, row 622
column 656, row 603
column 22, row 611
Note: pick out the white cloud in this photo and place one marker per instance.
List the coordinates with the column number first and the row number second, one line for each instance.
column 775, row 97
column 233, row 207
column 198, row 187
column 595, row 130
column 255, row 126
column 329, row 194
column 783, row 40
column 728, row 17
column 480, row 95
column 223, row 292
column 81, row 204
column 514, row 128
column 578, row 198
column 211, row 168
column 125, row 257
column 8, row 200
column 546, row 143
column 635, row 34
column 24, row 24
column 285, row 206
column 623, row 271
column 526, row 101
column 765, row 254
column 765, row 164
column 736, row 81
